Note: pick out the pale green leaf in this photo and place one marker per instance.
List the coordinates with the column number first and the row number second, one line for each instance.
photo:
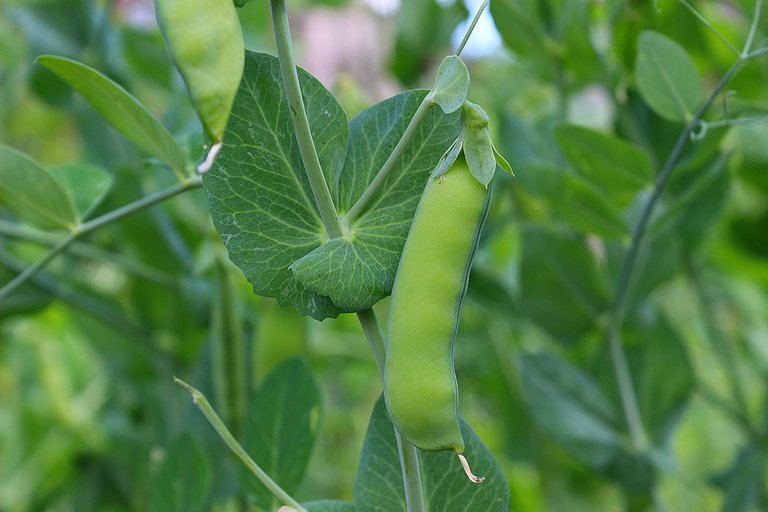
column 31, row 193
column 667, row 77
column 119, row 108
column 478, row 151
column 451, row 85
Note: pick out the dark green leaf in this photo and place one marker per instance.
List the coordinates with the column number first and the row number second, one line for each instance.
column 24, row 300
column 743, row 481
column 561, row 287
column 86, row 185
column 667, row 77
column 258, row 192
column 696, row 200
column 32, row 193
column 283, row 422
column 379, row 482
column 358, row 270
column 613, row 164
column 119, row 108
column 663, row 375
column 451, row 85
column 568, row 405
column 576, row 201
column 183, row 479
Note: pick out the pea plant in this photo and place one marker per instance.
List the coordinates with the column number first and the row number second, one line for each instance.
column 582, row 281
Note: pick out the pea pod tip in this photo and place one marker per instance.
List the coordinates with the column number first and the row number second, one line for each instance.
column 472, row 477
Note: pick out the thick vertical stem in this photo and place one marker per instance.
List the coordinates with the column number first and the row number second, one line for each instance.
column 300, row 121
column 409, row 455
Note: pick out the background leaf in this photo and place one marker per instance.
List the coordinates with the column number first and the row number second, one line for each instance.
column 616, row 166
column 281, row 429
column 562, row 289
column 119, row 108
column 32, row 193
column 576, row 201
column 667, row 77
column 86, row 185
column 183, row 479
column 259, row 195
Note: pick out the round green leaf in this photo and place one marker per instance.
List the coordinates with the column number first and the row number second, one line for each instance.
column 667, row 77
column 451, row 85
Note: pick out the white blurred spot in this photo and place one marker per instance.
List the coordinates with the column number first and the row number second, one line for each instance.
column 383, row 7
column 485, row 39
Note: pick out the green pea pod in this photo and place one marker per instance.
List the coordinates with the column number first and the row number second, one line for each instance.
column 419, row 379
column 206, row 44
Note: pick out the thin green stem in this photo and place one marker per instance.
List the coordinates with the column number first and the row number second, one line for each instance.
column 409, row 455
column 202, row 403
column 757, row 53
column 92, row 252
column 33, row 269
column 616, row 314
column 304, row 139
column 471, row 27
column 141, row 204
column 627, row 390
column 373, row 188
column 707, row 24
column 229, row 372
column 409, row 466
column 88, row 304
column 753, row 28
column 370, row 325
column 734, row 122
column 98, row 222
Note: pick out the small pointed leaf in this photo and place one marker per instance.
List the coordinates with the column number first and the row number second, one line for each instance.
column 451, row 85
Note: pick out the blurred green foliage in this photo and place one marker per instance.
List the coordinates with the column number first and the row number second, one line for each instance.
column 90, row 418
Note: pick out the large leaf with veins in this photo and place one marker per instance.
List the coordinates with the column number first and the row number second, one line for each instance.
column 264, row 210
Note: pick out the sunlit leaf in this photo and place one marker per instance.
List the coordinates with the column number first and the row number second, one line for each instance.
column 667, row 77
column 32, row 193
column 119, row 108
